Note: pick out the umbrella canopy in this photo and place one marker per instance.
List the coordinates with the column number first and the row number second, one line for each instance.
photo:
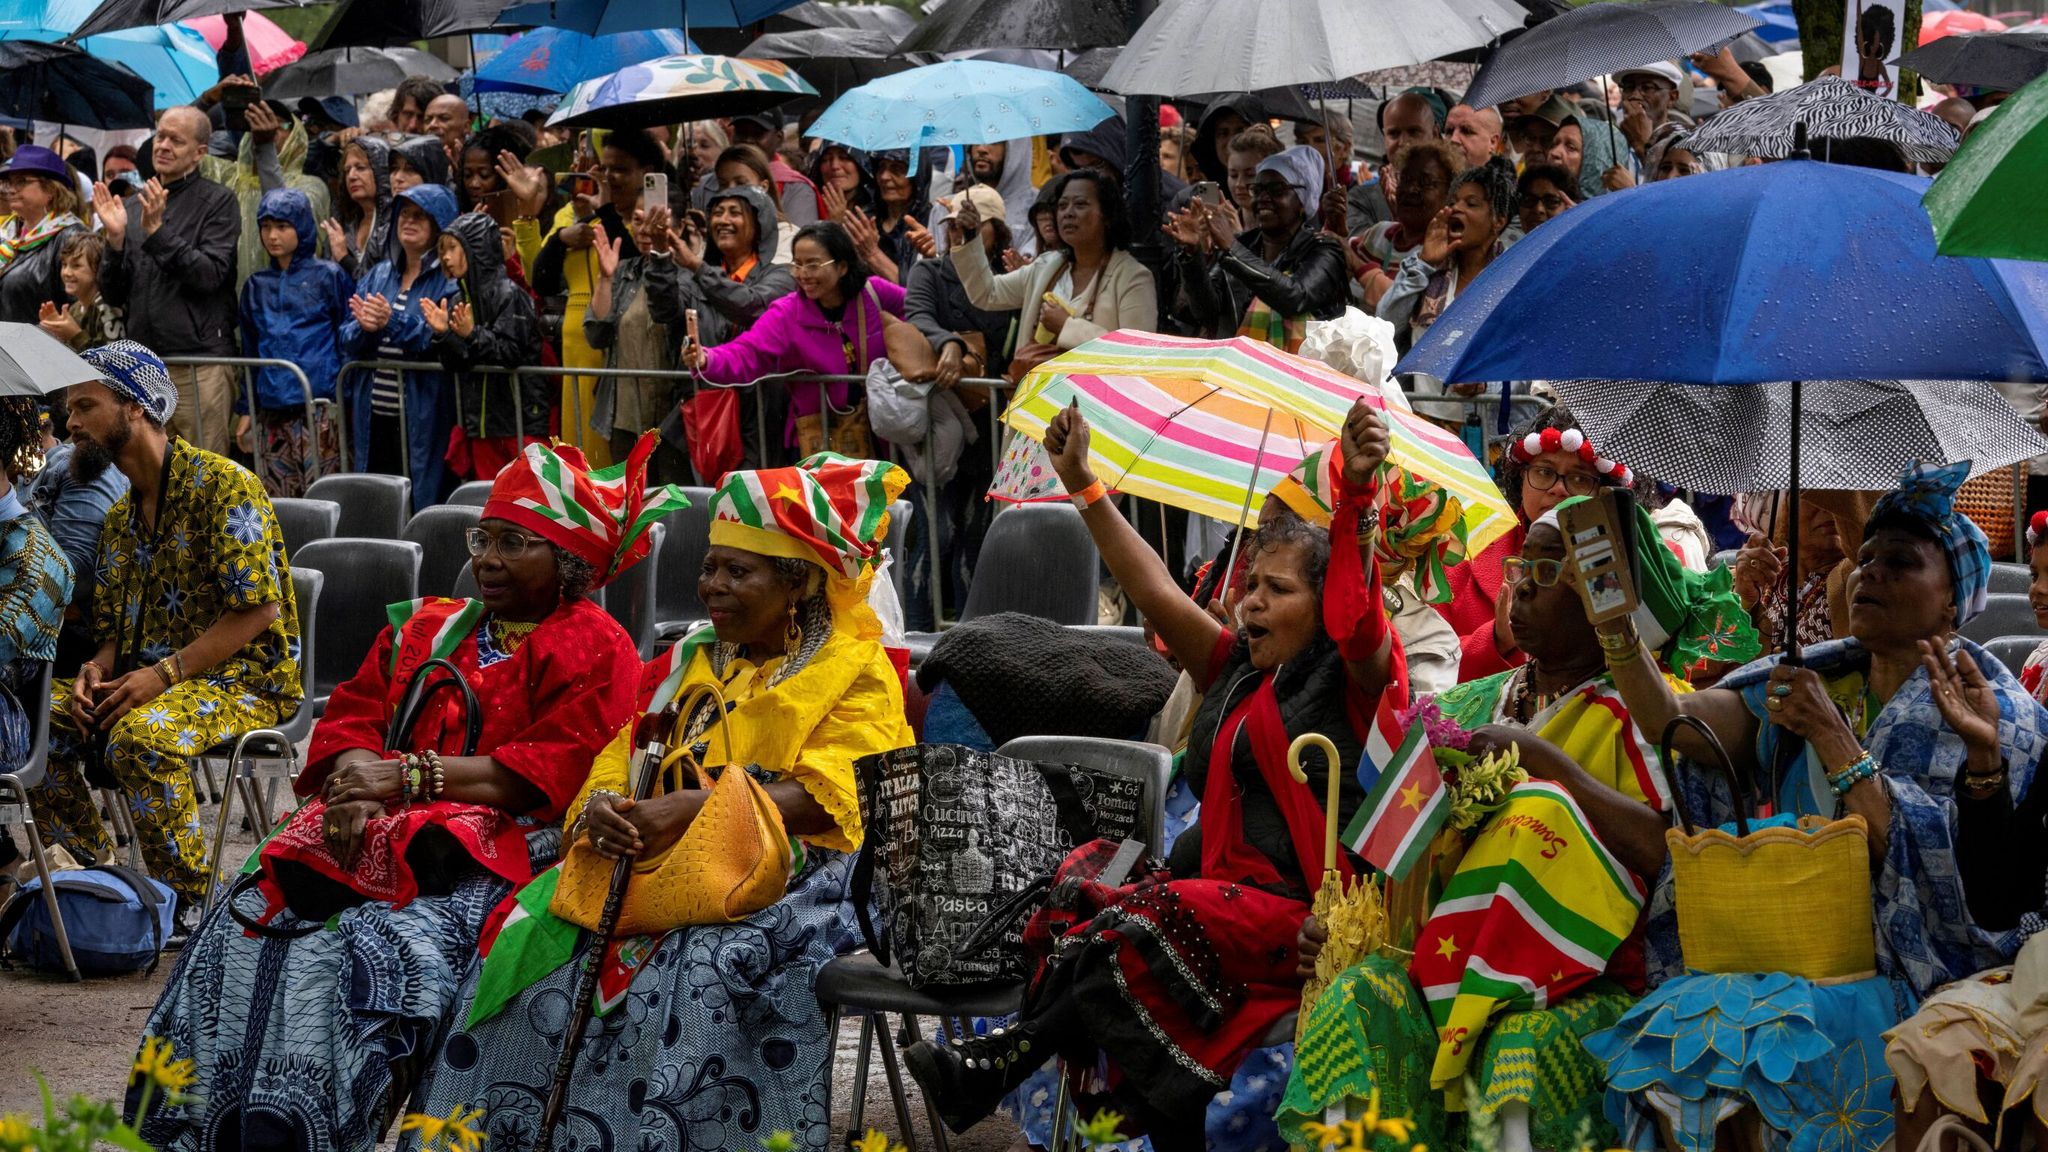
column 605, row 17
column 1855, row 435
column 1199, row 423
column 1191, row 46
column 173, row 59
column 959, row 102
column 353, row 72
column 1987, row 201
column 270, row 47
column 1775, row 23
column 836, row 60
column 1600, row 39
column 502, row 104
column 678, row 88
column 381, row 24
column 2000, row 61
column 556, row 59
column 1787, row 271
column 114, row 15
column 1830, row 108
column 35, row 363
column 1937, row 25
column 64, row 85
column 959, row 25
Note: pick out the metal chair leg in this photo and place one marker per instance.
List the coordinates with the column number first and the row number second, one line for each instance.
column 218, row 851
column 894, row 1072
column 123, row 828
column 36, row 852
column 931, row 1106
column 1060, row 1108
column 855, row 1128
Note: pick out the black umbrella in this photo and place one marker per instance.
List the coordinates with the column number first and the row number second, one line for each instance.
column 1287, row 102
column 385, row 24
column 114, row 15
column 1600, row 39
column 63, row 85
column 353, row 72
column 810, row 14
column 835, row 59
column 959, row 25
column 2001, row 61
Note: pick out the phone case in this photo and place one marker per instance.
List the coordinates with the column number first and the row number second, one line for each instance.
column 1599, row 535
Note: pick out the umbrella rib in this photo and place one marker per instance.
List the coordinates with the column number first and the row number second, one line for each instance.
column 1157, row 432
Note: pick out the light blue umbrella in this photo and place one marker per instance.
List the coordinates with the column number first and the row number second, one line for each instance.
column 557, row 59
column 177, row 61
column 959, row 102
column 604, row 17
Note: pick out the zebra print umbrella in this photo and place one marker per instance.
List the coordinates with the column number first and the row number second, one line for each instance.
column 1855, row 435
column 1601, row 39
column 1832, row 109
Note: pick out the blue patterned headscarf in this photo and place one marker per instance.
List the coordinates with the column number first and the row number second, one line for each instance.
column 135, row 373
column 1929, row 496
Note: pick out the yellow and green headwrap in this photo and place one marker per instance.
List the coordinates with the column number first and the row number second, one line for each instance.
column 829, row 510
column 1422, row 525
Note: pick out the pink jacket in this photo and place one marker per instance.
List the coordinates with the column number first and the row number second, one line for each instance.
column 793, row 335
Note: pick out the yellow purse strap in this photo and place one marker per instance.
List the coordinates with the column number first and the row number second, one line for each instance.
column 679, row 756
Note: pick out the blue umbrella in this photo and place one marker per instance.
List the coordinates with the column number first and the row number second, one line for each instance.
column 959, row 102
column 606, row 17
column 177, row 61
column 556, row 59
column 1787, row 271
column 504, row 105
column 1775, row 24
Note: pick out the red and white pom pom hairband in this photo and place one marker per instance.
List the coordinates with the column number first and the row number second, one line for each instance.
column 1574, row 441
column 2037, row 529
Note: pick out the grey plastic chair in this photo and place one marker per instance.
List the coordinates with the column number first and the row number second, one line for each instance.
column 894, row 542
column 465, row 584
column 16, row 810
column 2011, row 578
column 1037, row 559
column 303, row 520
column 2005, row 614
column 472, row 493
column 366, row 576
column 686, row 540
column 440, row 531
column 373, row 507
column 859, row 983
column 631, row 599
column 2012, row 651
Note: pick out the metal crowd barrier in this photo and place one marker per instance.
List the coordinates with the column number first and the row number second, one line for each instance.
column 243, row 364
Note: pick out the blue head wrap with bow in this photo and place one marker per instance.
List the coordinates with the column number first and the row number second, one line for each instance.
column 1929, row 496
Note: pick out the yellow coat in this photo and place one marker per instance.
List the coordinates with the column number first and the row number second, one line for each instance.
column 846, row 704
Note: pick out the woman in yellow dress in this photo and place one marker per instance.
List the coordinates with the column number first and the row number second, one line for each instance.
column 711, row 1036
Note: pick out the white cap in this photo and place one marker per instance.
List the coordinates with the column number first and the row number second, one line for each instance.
column 1663, row 69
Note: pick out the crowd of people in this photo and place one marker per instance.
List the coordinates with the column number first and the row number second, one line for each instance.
column 445, row 281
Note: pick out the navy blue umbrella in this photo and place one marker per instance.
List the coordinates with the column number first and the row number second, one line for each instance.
column 606, row 17
column 1790, row 271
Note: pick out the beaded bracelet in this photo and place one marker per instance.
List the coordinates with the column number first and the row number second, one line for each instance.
column 1862, row 769
column 437, row 779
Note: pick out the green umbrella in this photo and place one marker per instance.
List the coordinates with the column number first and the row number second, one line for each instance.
column 1987, row 201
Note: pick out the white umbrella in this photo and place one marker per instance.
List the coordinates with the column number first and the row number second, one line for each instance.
column 35, row 363
column 1188, row 47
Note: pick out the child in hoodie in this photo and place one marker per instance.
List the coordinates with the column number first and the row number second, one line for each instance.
column 292, row 311
column 489, row 321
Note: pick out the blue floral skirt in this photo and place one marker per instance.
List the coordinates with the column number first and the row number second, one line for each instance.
column 1808, row 1057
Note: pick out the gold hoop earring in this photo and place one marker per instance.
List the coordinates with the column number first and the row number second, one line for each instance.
column 792, row 634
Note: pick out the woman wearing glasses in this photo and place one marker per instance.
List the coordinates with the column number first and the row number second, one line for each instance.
column 831, row 325
column 1270, row 281
column 1522, row 989
column 404, row 849
column 1547, row 461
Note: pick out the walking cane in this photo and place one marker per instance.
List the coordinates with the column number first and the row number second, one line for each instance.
column 644, row 767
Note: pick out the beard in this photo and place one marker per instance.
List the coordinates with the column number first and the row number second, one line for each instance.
column 90, row 459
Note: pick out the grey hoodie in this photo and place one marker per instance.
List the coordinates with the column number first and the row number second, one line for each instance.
column 725, row 307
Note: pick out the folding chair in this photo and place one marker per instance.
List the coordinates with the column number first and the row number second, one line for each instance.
column 2005, row 614
column 471, row 493
column 441, row 532
column 687, row 539
column 15, row 809
column 367, row 576
column 303, row 521
column 373, row 507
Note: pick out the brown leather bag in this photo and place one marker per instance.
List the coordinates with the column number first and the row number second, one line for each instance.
column 909, row 351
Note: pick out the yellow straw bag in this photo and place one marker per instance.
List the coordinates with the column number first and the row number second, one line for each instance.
column 733, row 861
column 1793, row 899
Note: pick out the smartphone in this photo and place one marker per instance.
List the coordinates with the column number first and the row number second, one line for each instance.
column 234, row 101
column 690, row 325
column 654, row 190
column 576, row 183
column 1599, row 542
column 1208, row 192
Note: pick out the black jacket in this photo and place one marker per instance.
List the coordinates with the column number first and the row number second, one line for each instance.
column 725, row 307
column 34, row 278
column 178, row 286
column 507, row 335
column 935, row 301
column 1310, row 277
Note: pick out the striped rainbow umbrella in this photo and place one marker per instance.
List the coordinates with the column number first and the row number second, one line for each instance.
column 1200, row 424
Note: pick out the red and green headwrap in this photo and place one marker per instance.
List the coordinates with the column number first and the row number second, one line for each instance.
column 829, row 510
column 1422, row 525
column 601, row 517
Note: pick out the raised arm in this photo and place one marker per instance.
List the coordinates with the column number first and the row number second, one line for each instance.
column 1654, row 705
column 1189, row 632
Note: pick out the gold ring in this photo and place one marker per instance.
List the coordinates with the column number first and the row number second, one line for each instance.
column 334, row 829
column 1774, row 703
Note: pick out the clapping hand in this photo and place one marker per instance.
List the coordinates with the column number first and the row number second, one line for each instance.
column 607, row 249
column 1224, row 224
column 435, row 315
column 112, row 211
column 528, row 186
column 463, row 320
column 1187, row 226
column 1965, row 697
column 1436, row 240
column 867, row 239
column 57, row 322
column 372, row 312
column 154, row 201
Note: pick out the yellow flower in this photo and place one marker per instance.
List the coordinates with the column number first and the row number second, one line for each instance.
column 1105, row 1128
column 874, row 1141
column 1322, row 1135
column 779, row 1142
column 455, row 1132
column 155, row 1065
column 15, row 1132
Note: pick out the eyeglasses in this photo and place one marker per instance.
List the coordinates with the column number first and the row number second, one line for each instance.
column 1546, row 573
column 1269, row 190
column 1544, row 477
column 1554, row 202
column 510, row 545
column 809, row 266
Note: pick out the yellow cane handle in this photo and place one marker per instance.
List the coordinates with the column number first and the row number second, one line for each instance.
column 1321, row 743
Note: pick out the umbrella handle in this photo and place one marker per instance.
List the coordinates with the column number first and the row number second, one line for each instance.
column 1322, row 744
